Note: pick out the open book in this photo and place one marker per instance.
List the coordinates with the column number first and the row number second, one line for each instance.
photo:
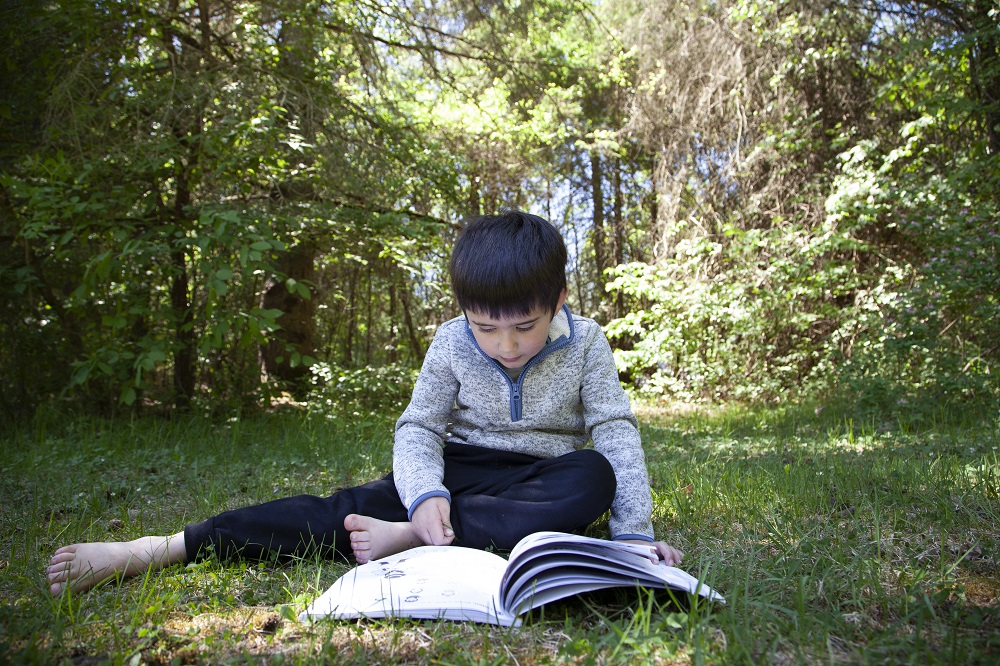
column 454, row 583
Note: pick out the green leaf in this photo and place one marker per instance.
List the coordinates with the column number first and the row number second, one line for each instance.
column 287, row 612
column 127, row 395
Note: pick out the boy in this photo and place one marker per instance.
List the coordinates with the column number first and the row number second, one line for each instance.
column 488, row 450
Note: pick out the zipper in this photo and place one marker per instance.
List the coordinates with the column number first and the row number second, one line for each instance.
column 515, row 387
column 515, row 397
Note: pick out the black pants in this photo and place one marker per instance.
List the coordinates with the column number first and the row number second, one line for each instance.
column 497, row 498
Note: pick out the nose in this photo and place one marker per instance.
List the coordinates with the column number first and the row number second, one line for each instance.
column 508, row 343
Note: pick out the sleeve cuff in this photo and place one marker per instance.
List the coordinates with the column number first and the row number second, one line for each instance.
column 637, row 537
column 433, row 493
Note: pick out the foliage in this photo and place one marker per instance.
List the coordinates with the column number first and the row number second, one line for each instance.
column 116, row 325
column 384, row 389
column 927, row 323
column 748, row 330
column 928, row 326
column 200, row 200
column 845, row 239
column 141, row 250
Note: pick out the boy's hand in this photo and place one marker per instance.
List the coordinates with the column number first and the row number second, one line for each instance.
column 432, row 522
column 660, row 551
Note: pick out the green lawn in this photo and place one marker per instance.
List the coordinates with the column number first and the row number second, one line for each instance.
column 834, row 541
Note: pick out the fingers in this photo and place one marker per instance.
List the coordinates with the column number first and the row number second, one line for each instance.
column 432, row 521
column 438, row 533
column 671, row 556
column 432, row 533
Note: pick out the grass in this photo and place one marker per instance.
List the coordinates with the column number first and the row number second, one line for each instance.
column 834, row 540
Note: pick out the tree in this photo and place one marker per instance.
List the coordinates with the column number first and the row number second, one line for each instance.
column 200, row 162
column 794, row 155
column 170, row 179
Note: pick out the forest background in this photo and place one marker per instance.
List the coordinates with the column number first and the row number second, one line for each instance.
column 220, row 207
column 207, row 204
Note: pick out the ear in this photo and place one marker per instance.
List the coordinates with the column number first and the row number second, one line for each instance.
column 562, row 301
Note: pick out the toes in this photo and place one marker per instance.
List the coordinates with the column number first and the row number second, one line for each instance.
column 62, row 555
column 58, row 571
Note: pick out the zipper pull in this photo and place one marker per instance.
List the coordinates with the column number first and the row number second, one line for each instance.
column 515, row 407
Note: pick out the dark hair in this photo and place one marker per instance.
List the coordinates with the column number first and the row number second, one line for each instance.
column 508, row 264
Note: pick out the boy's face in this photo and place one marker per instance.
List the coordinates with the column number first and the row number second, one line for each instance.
column 513, row 341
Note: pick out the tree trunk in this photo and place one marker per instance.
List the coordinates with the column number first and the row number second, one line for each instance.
column 654, row 204
column 393, row 328
column 475, row 200
column 298, row 327
column 184, row 354
column 297, row 332
column 348, row 354
column 619, row 229
column 411, row 331
column 369, row 320
column 597, row 194
column 986, row 68
column 187, row 132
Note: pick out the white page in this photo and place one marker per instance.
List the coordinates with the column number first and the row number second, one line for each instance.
column 554, row 556
column 552, row 573
column 624, row 561
column 428, row 582
column 541, row 538
column 572, row 581
column 572, row 543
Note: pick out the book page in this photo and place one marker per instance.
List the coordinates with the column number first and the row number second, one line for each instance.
column 547, row 566
column 619, row 554
column 544, row 539
column 429, row 582
column 551, row 571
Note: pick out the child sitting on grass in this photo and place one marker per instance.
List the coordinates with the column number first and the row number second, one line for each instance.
column 489, row 449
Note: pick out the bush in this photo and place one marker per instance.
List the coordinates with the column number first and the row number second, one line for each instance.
column 361, row 391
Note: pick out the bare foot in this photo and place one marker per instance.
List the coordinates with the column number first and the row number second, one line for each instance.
column 83, row 565
column 372, row 538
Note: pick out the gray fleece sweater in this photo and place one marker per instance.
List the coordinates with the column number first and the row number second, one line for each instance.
column 565, row 397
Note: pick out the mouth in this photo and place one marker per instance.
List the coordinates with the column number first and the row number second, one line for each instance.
column 504, row 359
